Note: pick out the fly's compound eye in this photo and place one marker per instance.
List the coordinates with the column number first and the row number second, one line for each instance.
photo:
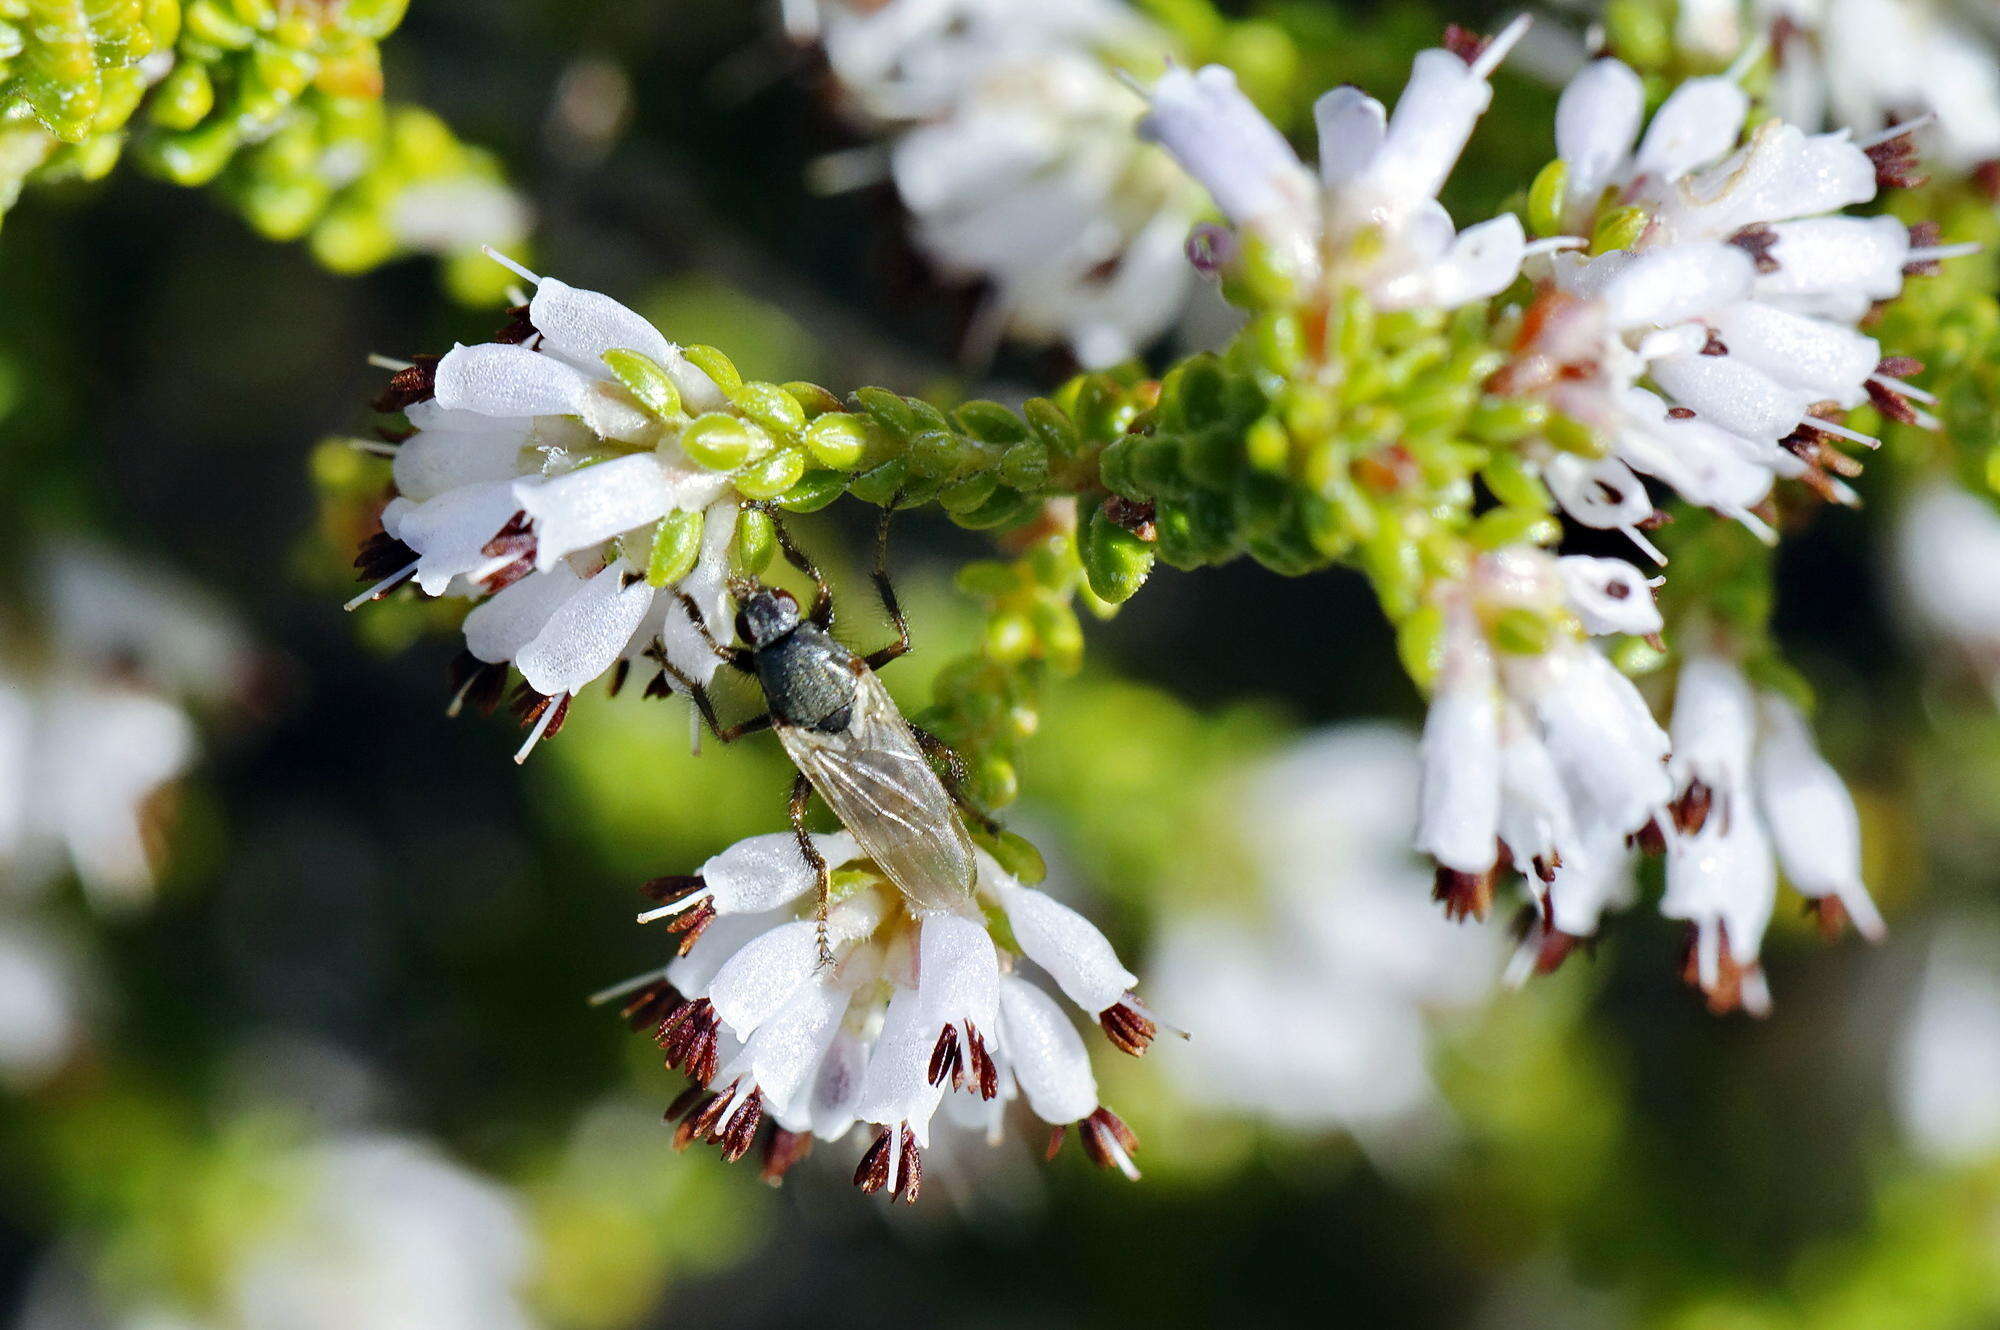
column 743, row 627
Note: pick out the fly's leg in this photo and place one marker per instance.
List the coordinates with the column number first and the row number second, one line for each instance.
column 954, row 777
column 706, row 705
column 887, row 591
column 741, row 659
column 801, row 795
column 821, row 613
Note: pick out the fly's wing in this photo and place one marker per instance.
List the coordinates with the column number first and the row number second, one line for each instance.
column 879, row 785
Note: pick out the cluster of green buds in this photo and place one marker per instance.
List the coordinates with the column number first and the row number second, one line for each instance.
column 278, row 102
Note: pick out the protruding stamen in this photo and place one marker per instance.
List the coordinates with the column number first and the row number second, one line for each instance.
column 1498, row 49
column 549, row 716
column 382, row 588
column 1109, row 1142
column 782, row 1152
column 511, row 266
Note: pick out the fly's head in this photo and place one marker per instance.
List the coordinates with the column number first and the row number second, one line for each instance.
column 764, row 615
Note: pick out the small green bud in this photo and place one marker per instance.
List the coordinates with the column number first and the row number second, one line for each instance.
column 969, row 493
column 772, row 475
column 986, row 579
column 815, row 490
column 1567, row 434
column 1005, row 508
column 891, row 411
column 1420, row 643
column 772, row 407
column 1017, row 855
column 883, row 483
column 1545, row 199
column 195, row 156
column 676, row 546
column 184, row 98
column 724, row 442
column 1156, row 468
column 1268, row 446
column 1194, row 395
column 814, row 400
column 1115, row 561
column 756, row 540
column 936, row 453
column 990, row 422
column 1116, row 467
column 840, row 440
column 647, row 380
column 1501, row 527
column 994, row 781
column 1514, row 484
column 1025, row 466
column 1505, row 420
column 716, row 365
column 211, row 22
column 1619, row 228
column 1060, row 636
column 1010, row 637
column 1052, row 427
column 1523, row 632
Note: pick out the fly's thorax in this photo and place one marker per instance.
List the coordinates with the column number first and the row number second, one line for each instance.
column 809, row 679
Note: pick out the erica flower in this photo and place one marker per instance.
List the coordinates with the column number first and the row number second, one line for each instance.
column 1542, row 762
column 1370, row 215
column 1010, row 142
column 919, row 1011
column 94, row 728
column 1871, row 63
column 1752, row 793
column 575, row 478
column 1716, row 348
column 1947, row 546
column 1348, row 1018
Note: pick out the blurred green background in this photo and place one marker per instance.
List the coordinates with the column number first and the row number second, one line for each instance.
column 359, row 883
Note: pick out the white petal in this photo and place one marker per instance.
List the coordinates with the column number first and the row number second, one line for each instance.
column 432, row 461
column 591, row 505
column 1223, row 141
column 1714, row 723
column 450, row 533
column 836, row 1090
column 1602, row 493
column 896, row 1086
column 1667, row 286
column 1732, row 395
column 760, row 979
column 1609, row 595
column 1843, row 264
column 1812, row 355
column 1433, row 118
column 1811, row 815
column 764, row 872
column 958, row 971
column 1610, row 751
column 587, row 633
column 1696, row 125
column 1048, row 1057
column 501, row 625
column 1067, row 945
column 708, row 586
column 1597, row 119
column 496, row 379
column 1460, row 816
column 1351, row 126
column 583, row 325
column 789, row 1047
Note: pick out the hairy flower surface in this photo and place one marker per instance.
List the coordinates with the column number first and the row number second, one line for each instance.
column 1370, row 216
column 1715, row 345
column 919, row 1011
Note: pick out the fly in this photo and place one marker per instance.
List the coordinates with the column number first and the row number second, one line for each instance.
column 845, row 734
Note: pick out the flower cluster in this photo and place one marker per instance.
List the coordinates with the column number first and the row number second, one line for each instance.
column 881, row 1014
column 280, row 103
column 1010, row 143
column 1711, row 339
